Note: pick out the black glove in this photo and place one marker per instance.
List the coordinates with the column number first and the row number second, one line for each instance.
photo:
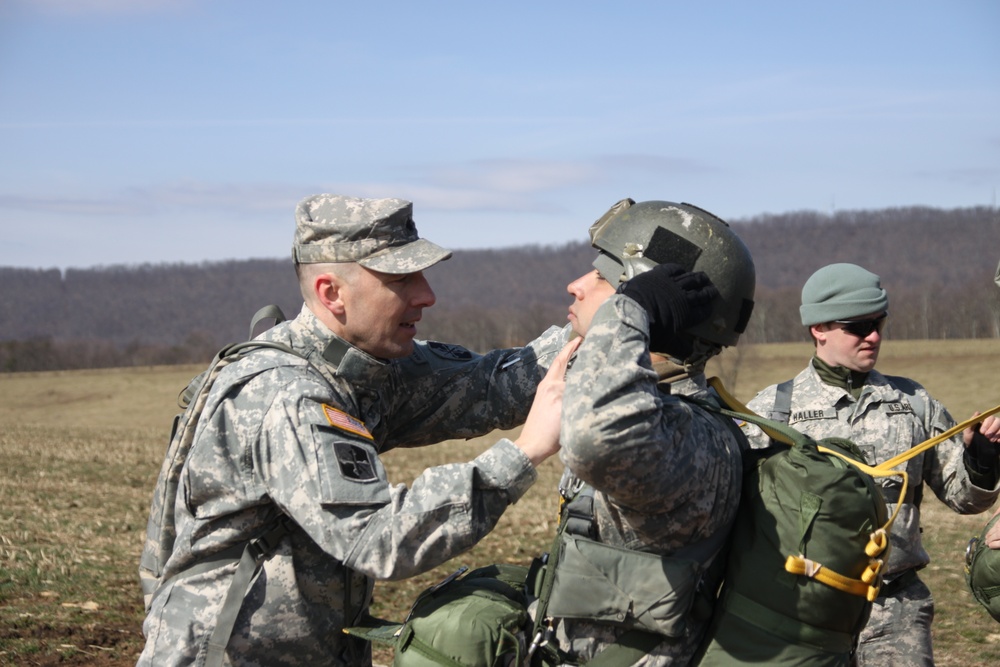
column 982, row 459
column 675, row 299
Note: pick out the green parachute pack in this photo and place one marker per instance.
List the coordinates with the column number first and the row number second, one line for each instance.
column 982, row 570
column 477, row 619
column 806, row 553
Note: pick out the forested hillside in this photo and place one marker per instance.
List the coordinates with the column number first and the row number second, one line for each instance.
column 938, row 265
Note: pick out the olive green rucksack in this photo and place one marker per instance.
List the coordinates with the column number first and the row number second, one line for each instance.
column 805, row 555
column 982, row 570
column 161, row 530
column 480, row 619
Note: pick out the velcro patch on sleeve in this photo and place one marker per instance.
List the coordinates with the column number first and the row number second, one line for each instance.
column 356, row 462
column 448, row 351
column 345, row 422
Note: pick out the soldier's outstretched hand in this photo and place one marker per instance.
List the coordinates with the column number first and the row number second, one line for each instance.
column 539, row 437
column 984, row 440
column 992, row 536
column 988, row 428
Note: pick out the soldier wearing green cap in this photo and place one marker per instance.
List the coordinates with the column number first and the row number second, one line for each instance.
column 292, row 440
column 840, row 394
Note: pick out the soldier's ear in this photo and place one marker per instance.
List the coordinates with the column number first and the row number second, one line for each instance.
column 329, row 291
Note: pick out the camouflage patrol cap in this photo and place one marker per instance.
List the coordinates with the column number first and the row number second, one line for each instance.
column 378, row 234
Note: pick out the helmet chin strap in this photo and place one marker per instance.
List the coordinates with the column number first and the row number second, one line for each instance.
column 670, row 369
column 701, row 352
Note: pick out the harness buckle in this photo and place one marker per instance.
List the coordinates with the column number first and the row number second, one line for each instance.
column 260, row 548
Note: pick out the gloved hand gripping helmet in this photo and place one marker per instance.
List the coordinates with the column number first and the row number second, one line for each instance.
column 633, row 238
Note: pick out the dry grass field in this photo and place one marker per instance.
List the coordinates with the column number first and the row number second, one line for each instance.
column 81, row 450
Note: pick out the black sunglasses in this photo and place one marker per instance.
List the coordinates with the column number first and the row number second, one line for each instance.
column 862, row 328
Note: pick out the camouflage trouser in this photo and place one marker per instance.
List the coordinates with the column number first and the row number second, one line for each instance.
column 899, row 630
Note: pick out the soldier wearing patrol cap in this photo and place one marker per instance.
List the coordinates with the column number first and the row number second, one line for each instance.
column 295, row 438
column 840, row 394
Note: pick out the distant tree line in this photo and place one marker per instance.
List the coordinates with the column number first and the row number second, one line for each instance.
column 938, row 266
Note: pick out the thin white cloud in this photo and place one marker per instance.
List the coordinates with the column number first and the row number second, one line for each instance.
column 233, row 197
column 504, row 177
column 445, row 198
column 152, row 201
column 971, row 176
column 497, row 185
column 655, row 163
column 63, row 205
column 516, row 176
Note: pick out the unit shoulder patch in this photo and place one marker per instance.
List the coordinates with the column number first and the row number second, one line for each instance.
column 345, row 422
column 356, row 462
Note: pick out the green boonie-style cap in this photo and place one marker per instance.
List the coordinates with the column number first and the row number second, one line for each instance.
column 378, row 234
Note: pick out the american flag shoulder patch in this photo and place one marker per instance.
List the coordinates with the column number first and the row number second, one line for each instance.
column 346, row 422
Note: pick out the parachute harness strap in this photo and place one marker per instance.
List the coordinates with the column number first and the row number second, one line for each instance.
column 936, row 440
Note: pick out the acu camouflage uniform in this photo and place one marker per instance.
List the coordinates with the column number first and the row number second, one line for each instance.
column 884, row 423
column 667, row 473
column 284, row 436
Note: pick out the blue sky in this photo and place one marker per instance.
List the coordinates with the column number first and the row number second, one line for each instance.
column 150, row 131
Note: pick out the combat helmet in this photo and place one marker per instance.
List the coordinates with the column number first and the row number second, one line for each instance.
column 982, row 570
column 633, row 238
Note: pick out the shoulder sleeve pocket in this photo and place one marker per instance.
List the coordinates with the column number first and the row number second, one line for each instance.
column 350, row 471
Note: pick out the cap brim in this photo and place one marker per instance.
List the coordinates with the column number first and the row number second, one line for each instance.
column 410, row 258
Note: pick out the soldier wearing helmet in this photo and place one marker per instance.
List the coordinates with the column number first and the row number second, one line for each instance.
column 672, row 286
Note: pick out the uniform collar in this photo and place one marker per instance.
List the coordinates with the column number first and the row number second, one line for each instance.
column 336, row 356
column 837, row 376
